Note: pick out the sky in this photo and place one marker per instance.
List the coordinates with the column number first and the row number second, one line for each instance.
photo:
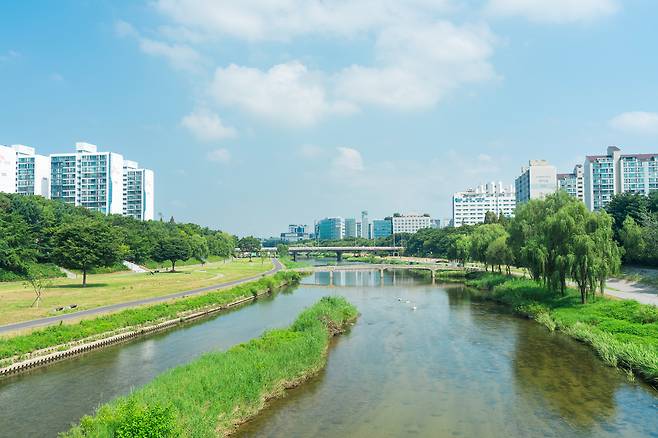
column 256, row 114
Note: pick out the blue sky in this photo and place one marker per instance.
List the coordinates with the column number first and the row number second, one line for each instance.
column 256, row 114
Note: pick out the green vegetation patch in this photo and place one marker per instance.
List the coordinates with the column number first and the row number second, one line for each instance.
column 62, row 334
column 623, row 332
column 219, row 391
column 43, row 270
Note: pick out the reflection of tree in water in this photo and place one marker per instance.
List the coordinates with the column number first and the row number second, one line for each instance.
column 458, row 295
column 567, row 376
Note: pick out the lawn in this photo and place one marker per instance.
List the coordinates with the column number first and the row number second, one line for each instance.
column 105, row 289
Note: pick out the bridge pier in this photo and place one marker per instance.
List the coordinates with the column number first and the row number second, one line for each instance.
column 331, row 278
column 433, row 276
column 339, row 256
column 294, row 256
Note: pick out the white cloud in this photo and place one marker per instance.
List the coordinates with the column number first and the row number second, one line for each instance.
column 180, row 56
column 418, row 65
column 207, row 126
column 348, row 160
column 288, row 93
column 220, row 155
column 554, row 11
column 639, row 122
column 284, row 19
column 9, row 55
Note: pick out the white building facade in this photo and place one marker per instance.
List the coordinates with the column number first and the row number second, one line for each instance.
column 536, row 181
column 573, row 183
column 23, row 171
column 614, row 173
column 88, row 178
column 138, row 191
column 470, row 207
column 410, row 223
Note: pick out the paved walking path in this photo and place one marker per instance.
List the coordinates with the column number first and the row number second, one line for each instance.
column 119, row 306
column 630, row 290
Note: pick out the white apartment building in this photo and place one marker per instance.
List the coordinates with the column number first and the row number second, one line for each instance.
column 410, row 223
column 573, row 183
column 7, row 169
column 138, row 191
column 23, row 171
column 536, row 181
column 471, row 206
column 614, row 173
column 88, row 178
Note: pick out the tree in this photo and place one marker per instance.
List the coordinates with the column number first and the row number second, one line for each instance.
column 199, row 248
column 173, row 248
column 38, row 282
column 631, row 236
column 499, row 253
column 221, row 244
column 490, row 217
column 85, row 244
column 622, row 205
column 282, row 250
column 249, row 245
column 482, row 237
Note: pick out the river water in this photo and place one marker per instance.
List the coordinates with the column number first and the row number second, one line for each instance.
column 451, row 368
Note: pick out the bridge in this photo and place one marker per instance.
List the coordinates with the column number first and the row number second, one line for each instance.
column 339, row 250
column 381, row 267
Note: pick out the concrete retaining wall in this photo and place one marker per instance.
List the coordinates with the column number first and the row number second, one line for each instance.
column 47, row 359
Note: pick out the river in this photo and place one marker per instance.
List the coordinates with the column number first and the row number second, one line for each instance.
column 451, row 368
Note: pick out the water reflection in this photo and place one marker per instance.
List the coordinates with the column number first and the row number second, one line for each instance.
column 552, row 370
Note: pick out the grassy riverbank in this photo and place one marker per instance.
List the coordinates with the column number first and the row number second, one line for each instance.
column 140, row 316
column 624, row 333
column 112, row 288
column 215, row 393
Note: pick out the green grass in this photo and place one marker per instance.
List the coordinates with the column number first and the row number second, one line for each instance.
column 62, row 334
column 150, row 264
column 291, row 264
column 218, row 391
column 118, row 287
column 48, row 270
column 624, row 333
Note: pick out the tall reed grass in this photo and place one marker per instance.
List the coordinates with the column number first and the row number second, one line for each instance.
column 217, row 392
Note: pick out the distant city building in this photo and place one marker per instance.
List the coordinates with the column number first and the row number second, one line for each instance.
column 138, row 191
column 296, row 233
column 358, row 229
column 537, row 181
column 365, row 227
column 573, row 183
column 382, row 228
column 350, row 228
column 471, row 206
column 614, row 173
column 331, row 228
column 409, row 223
column 23, row 171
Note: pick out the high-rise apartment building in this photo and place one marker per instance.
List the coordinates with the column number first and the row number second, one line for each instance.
column 573, row 183
column 614, row 173
column 7, row 169
column 23, row 171
column 536, row 181
column 471, row 206
column 89, row 179
column 138, row 191
column 32, row 172
column 409, row 223
column 331, row 228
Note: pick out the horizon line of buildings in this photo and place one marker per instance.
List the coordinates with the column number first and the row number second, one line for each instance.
column 594, row 182
column 339, row 228
column 100, row 181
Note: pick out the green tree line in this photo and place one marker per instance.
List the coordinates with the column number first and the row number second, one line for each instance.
column 36, row 231
column 557, row 240
column 636, row 226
